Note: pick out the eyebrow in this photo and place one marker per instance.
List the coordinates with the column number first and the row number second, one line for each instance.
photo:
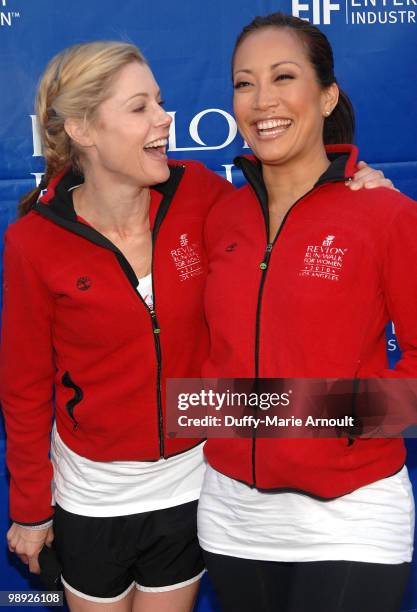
column 247, row 71
column 144, row 94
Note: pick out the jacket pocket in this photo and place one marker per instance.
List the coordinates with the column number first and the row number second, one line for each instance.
column 78, row 396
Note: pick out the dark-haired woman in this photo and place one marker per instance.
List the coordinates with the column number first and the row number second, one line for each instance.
column 321, row 525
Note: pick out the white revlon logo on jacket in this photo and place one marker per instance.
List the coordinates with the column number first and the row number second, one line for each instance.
column 187, row 258
column 323, row 261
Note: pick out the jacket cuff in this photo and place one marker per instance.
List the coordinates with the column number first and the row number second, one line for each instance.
column 38, row 525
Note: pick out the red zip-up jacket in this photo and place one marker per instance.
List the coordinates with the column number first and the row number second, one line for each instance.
column 312, row 304
column 77, row 333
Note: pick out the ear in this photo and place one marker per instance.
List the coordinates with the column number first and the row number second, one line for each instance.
column 329, row 99
column 78, row 131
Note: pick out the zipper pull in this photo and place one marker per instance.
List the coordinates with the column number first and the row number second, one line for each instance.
column 264, row 264
column 156, row 329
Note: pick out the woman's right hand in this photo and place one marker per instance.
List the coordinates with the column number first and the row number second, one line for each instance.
column 27, row 544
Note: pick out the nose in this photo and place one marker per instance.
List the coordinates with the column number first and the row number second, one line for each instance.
column 162, row 118
column 265, row 97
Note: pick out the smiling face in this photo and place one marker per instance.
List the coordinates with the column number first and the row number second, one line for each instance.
column 128, row 136
column 278, row 102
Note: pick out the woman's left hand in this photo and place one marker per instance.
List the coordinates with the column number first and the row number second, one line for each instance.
column 369, row 178
column 27, row 544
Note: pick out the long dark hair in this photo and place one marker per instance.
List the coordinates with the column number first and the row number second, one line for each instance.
column 339, row 127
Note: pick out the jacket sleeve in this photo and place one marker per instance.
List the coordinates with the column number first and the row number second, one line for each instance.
column 213, row 186
column 395, row 391
column 400, row 283
column 26, row 383
column 220, row 187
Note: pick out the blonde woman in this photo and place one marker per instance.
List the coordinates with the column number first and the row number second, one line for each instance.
column 103, row 301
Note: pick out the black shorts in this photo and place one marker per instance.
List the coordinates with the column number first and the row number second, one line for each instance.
column 104, row 558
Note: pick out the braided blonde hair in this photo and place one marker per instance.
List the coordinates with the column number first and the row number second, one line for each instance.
column 74, row 84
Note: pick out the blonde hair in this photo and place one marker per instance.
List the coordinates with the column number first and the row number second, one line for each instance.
column 74, row 84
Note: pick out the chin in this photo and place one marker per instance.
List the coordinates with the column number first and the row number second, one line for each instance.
column 159, row 177
column 269, row 153
column 157, row 174
column 278, row 155
column 270, row 159
column 164, row 175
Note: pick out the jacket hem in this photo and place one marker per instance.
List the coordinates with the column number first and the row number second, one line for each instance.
column 303, row 491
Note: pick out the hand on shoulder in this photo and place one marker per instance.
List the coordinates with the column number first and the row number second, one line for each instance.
column 369, row 178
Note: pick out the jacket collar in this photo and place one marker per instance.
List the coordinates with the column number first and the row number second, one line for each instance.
column 57, row 206
column 342, row 167
column 58, row 196
column 342, row 158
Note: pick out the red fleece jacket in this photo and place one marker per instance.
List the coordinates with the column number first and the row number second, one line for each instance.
column 314, row 304
column 75, row 327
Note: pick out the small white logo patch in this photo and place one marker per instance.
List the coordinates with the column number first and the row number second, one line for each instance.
column 328, row 240
column 324, row 261
column 187, row 258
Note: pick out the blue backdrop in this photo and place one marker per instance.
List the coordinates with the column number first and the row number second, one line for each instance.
column 188, row 44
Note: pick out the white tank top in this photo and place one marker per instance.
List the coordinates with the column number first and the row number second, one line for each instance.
column 374, row 524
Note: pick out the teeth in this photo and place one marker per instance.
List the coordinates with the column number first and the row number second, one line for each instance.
column 272, row 123
column 161, row 142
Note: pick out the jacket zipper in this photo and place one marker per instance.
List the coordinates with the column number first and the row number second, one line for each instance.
column 156, row 331
column 264, row 265
column 155, row 326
